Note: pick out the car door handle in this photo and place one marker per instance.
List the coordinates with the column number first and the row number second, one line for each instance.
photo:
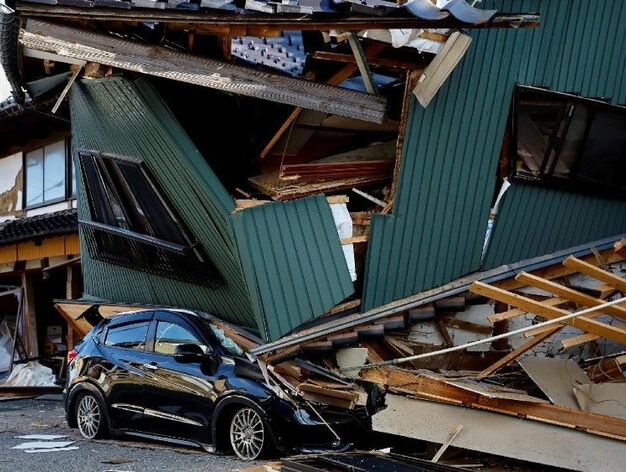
column 152, row 365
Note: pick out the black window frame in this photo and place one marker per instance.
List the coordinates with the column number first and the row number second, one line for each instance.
column 173, row 318
column 69, row 192
column 545, row 176
column 148, row 324
column 105, row 181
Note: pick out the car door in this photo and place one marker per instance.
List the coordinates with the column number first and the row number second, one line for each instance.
column 124, row 349
column 179, row 395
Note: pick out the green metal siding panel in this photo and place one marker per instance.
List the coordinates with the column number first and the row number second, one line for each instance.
column 284, row 267
column 447, row 177
column 293, row 259
column 127, row 117
column 533, row 221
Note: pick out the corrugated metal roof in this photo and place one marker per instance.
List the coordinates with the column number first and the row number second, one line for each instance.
column 448, row 170
column 294, row 264
column 291, row 253
column 533, row 221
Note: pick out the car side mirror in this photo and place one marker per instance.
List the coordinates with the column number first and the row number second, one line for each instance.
column 188, row 353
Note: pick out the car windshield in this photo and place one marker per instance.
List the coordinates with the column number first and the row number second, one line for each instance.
column 227, row 344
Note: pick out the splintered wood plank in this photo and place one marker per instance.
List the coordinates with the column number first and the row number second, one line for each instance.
column 161, row 62
column 548, row 312
column 515, row 354
column 570, row 294
column 596, row 272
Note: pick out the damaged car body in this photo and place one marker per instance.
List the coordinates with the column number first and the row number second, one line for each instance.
column 175, row 376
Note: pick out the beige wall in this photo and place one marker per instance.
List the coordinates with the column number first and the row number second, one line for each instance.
column 11, row 185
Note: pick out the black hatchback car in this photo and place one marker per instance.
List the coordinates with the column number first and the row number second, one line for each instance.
column 175, row 375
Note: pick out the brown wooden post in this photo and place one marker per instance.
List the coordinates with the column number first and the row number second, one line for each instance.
column 29, row 319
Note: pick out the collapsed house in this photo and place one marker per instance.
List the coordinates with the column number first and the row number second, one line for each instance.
column 360, row 175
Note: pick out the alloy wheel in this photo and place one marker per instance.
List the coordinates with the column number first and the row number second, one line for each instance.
column 247, row 434
column 88, row 416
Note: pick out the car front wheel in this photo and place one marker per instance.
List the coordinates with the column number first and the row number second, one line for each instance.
column 248, row 434
column 90, row 417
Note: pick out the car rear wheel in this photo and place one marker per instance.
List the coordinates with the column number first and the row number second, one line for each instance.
column 248, row 434
column 90, row 417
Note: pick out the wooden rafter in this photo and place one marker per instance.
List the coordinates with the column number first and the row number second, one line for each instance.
column 569, row 294
column 607, row 277
column 524, row 303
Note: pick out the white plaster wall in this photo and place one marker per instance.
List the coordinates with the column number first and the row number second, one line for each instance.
column 10, row 186
column 65, row 205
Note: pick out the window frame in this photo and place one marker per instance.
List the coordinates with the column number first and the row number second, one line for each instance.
column 173, row 318
column 545, row 177
column 69, row 192
column 148, row 322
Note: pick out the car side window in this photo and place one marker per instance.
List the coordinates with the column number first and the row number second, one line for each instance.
column 129, row 336
column 170, row 335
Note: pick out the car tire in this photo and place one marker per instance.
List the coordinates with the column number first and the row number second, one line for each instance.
column 91, row 416
column 249, row 434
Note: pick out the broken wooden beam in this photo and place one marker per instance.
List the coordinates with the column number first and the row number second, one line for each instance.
column 523, row 303
column 161, row 62
column 516, row 353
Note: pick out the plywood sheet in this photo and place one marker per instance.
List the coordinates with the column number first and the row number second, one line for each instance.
column 556, row 378
column 603, row 399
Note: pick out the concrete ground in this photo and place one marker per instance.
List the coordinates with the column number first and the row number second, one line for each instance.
column 45, row 416
column 22, row 417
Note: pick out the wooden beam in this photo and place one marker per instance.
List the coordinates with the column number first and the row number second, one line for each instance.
column 592, row 271
column 548, row 312
column 569, row 294
column 361, row 62
column 513, row 312
column 559, row 270
column 212, row 19
column 337, row 78
column 219, row 75
column 354, row 240
column 375, row 61
column 516, row 353
column 443, row 392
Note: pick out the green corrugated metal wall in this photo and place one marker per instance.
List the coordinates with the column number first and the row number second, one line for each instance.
column 447, row 177
column 534, row 221
column 290, row 260
column 126, row 117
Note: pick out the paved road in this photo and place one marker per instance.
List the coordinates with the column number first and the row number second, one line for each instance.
column 20, row 417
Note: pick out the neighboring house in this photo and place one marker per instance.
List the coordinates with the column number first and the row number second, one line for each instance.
column 39, row 246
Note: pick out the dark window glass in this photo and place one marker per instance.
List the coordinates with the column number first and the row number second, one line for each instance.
column 132, row 224
column 568, row 140
column 130, row 336
column 170, row 335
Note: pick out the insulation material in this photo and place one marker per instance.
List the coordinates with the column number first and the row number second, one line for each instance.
column 31, row 374
column 410, row 38
column 343, row 222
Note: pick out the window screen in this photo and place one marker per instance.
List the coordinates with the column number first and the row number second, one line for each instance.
column 170, row 335
column 130, row 336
